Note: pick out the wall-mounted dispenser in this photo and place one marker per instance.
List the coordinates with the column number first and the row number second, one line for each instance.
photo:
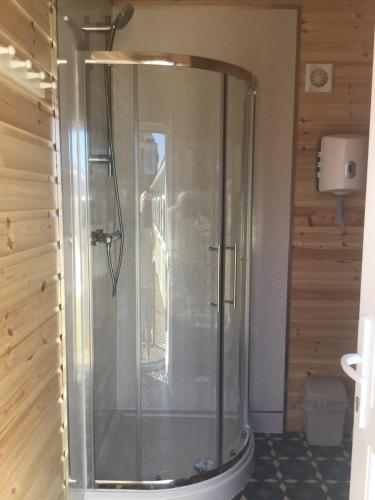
column 342, row 165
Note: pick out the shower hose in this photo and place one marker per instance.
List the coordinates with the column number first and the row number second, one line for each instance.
column 114, row 269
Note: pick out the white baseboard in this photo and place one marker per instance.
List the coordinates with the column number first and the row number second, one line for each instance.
column 269, row 422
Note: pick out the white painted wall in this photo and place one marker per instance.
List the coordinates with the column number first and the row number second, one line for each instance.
column 264, row 42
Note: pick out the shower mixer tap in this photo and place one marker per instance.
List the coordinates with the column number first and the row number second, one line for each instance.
column 99, row 236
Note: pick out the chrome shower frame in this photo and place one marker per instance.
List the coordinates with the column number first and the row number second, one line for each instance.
column 78, row 242
column 77, row 256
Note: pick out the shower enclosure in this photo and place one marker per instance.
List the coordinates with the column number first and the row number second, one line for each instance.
column 158, row 371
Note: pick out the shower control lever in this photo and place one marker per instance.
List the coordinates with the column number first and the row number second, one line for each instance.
column 99, row 236
column 218, row 250
column 233, row 301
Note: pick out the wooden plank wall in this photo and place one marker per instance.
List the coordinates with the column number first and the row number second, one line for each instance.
column 326, row 261
column 32, row 436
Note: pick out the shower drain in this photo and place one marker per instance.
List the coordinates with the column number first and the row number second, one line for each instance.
column 205, row 465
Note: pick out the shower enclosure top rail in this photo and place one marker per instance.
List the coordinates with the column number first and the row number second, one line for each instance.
column 160, row 58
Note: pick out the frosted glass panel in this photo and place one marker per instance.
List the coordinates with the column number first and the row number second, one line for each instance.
column 178, row 176
column 164, row 406
column 102, row 216
column 239, row 107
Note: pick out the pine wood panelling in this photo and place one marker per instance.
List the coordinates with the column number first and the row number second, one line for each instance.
column 32, row 440
column 36, row 157
column 27, row 234
column 31, row 115
column 325, row 260
column 24, row 31
column 38, row 13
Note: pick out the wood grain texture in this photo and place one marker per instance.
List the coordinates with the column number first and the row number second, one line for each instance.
column 19, row 27
column 325, row 261
column 32, row 440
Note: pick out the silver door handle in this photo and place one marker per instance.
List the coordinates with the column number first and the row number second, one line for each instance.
column 234, row 300
column 347, row 361
column 363, row 360
column 218, row 250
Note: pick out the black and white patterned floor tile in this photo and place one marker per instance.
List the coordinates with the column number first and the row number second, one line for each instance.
column 288, row 468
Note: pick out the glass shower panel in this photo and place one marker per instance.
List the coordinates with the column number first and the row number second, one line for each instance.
column 170, row 350
column 179, row 134
column 238, row 136
column 113, row 317
column 101, row 215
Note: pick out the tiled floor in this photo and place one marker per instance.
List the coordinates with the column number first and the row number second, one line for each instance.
column 287, row 468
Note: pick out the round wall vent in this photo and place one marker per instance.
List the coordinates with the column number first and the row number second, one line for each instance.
column 318, row 78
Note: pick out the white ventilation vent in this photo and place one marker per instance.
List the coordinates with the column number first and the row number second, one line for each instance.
column 318, row 77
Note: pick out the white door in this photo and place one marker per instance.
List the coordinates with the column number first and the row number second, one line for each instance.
column 362, row 485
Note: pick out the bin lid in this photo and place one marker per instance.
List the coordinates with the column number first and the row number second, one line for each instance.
column 325, row 389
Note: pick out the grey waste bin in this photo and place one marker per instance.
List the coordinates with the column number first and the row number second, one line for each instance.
column 324, row 402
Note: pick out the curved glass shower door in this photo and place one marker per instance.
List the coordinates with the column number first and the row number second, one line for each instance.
column 179, row 114
column 170, row 350
column 239, row 110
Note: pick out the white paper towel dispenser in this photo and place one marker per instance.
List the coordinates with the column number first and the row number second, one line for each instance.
column 342, row 164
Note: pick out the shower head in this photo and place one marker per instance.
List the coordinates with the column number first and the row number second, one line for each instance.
column 119, row 23
column 123, row 17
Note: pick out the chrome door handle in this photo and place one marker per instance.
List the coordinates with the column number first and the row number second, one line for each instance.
column 218, row 250
column 234, row 300
column 363, row 360
column 347, row 361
